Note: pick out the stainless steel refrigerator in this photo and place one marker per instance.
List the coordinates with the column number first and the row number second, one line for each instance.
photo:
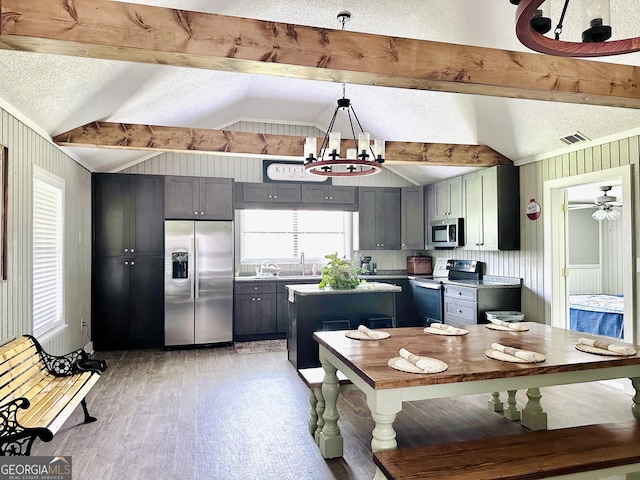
column 198, row 282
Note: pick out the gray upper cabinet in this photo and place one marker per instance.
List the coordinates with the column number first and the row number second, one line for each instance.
column 378, row 219
column 198, row 198
column 448, row 198
column 271, row 192
column 492, row 209
column 333, row 194
column 413, row 215
column 127, row 214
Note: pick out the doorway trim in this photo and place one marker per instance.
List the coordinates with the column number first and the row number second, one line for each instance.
column 555, row 291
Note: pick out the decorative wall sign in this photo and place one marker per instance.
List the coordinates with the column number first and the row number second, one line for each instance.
column 533, row 209
column 283, row 171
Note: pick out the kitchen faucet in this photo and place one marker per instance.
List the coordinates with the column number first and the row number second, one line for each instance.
column 302, row 261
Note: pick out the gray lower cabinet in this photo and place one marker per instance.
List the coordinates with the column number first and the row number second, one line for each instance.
column 413, row 215
column 254, row 314
column 378, row 219
column 198, row 198
column 469, row 305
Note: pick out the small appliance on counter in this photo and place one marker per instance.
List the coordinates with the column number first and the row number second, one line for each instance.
column 367, row 266
column 419, row 265
column 268, row 269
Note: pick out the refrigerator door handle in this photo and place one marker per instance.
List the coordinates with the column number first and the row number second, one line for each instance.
column 196, row 267
column 192, row 267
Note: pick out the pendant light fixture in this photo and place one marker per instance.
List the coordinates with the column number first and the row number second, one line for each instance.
column 533, row 20
column 361, row 159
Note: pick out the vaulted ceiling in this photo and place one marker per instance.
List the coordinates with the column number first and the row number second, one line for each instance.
column 60, row 93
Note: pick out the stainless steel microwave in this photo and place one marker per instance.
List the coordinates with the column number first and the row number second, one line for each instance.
column 447, row 233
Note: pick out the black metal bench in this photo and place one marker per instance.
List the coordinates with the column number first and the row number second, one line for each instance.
column 39, row 391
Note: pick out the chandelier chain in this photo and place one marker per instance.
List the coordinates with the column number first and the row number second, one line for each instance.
column 558, row 29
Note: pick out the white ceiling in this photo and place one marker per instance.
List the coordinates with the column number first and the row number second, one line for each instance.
column 60, row 93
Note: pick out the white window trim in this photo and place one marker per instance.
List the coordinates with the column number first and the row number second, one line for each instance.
column 52, row 329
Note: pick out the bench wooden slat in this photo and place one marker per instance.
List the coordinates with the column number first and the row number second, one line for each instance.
column 51, row 399
column 313, row 377
column 532, row 455
column 28, row 376
column 73, row 403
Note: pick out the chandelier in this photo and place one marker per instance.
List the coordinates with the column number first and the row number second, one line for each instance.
column 362, row 159
column 533, row 21
column 605, row 212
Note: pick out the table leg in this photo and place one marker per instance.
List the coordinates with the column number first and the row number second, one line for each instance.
column 319, row 412
column 329, row 439
column 313, row 417
column 512, row 412
column 533, row 417
column 494, row 404
column 635, row 407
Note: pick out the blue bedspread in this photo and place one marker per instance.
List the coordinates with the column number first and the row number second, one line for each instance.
column 597, row 314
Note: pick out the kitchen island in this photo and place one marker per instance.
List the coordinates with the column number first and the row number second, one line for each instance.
column 310, row 308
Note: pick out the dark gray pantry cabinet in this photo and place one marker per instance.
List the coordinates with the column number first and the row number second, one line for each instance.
column 128, row 261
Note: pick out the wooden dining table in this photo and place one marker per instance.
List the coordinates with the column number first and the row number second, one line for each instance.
column 469, row 371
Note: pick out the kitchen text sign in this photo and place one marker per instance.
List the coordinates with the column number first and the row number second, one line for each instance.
column 280, row 171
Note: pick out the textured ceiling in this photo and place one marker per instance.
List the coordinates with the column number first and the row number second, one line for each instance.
column 60, row 93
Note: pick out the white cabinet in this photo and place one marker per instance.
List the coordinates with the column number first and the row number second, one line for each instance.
column 492, row 209
column 448, row 198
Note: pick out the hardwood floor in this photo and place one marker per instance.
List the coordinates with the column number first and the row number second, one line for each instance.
column 215, row 414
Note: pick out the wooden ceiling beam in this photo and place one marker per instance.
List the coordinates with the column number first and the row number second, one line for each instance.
column 139, row 33
column 162, row 138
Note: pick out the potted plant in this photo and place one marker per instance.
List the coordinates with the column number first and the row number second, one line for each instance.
column 339, row 273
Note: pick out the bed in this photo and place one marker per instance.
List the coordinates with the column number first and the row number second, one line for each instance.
column 597, row 314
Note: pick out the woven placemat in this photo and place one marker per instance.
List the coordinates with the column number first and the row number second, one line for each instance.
column 358, row 335
column 399, row 363
column 504, row 357
column 439, row 331
column 599, row 351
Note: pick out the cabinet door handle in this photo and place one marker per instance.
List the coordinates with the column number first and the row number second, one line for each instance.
column 133, row 263
column 255, row 288
column 126, row 250
column 195, row 213
column 258, row 298
column 330, row 198
column 201, row 213
column 459, row 311
column 275, row 196
column 133, row 250
column 270, row 196
column 459, row 293
column 253, row 299
column 126, row 263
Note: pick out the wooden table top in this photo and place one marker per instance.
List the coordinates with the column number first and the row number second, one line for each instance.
column 465, row 354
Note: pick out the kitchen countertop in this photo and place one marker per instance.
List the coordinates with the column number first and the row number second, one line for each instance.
column 311, row 278
column 368, row 287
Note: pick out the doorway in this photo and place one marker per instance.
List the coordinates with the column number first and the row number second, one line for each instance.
column 556, row 244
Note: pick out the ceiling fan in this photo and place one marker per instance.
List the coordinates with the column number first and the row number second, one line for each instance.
column 604, row 205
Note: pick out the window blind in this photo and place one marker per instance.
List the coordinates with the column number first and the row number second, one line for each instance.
column 281, row 235
column 47, row 252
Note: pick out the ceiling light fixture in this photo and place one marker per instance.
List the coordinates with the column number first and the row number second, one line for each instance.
column 605, row 212
column 361, row 160
column 533, row 20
